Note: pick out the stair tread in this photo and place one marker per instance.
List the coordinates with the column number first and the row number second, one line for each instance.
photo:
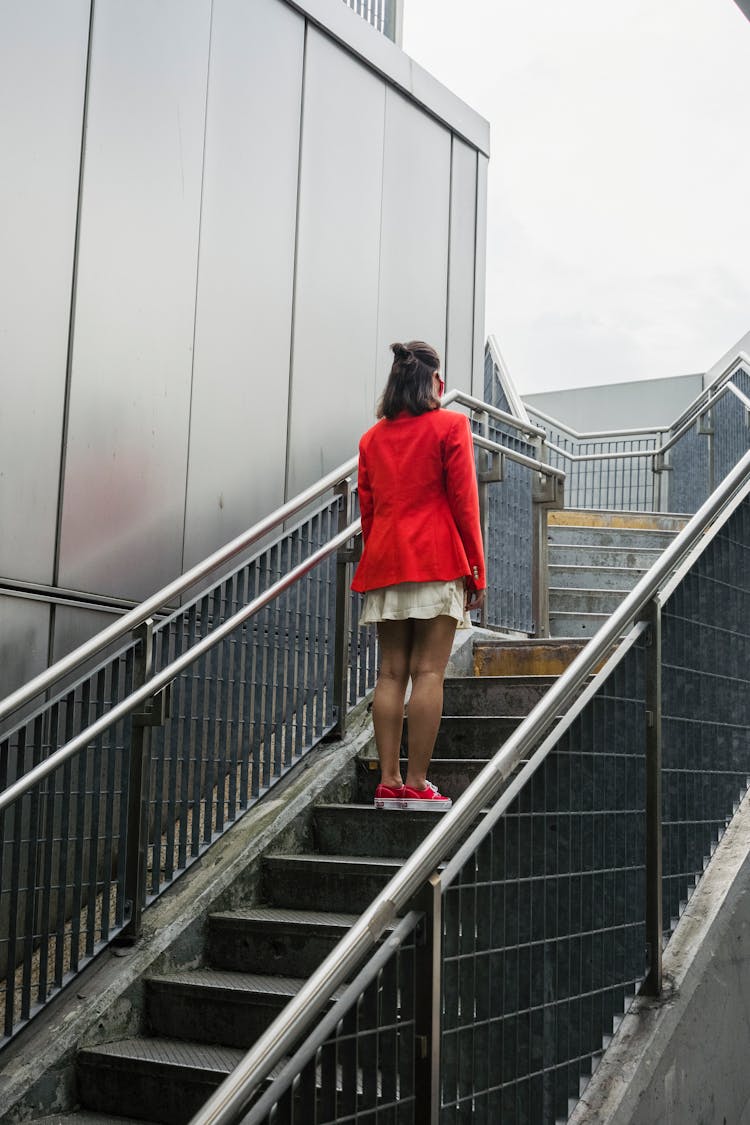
column 339, row 860
column 230, row 980
column 87, row 1117
column 280, row 915
column 567, row 567
column 585, row 590
column 170, row 1052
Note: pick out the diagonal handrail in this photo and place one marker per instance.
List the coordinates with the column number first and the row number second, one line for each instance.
column 708, row 396
column 124, row 626
column 233, row 1096
column 161, row 679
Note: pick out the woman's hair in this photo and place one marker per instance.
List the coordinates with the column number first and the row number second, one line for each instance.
column 410, row 385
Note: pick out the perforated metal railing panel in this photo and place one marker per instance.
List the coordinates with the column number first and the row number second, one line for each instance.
column 359, row 1065
column 544, row 928
column 624, row 484
column 61, row 859
column 509, row 536
column 706, row 708
column 246, row 711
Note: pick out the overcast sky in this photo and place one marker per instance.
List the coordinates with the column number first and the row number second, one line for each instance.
column 619, row 183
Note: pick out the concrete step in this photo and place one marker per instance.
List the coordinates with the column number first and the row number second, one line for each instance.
column 350, row 829
column 594, row 577
column 592, row 554
column 136, row 1076
column 273, row 939
column 571, row 625
column 451, row 775
column 320, row 882
column 609, row 536
column 216, row 1006
column 585, row 601
column 593, row 517
column 533, row 658
column 470, row 736
column 500, row 695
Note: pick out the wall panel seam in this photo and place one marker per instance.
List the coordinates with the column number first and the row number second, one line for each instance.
column 292, row 326
column 71, row 329
column 197, row 286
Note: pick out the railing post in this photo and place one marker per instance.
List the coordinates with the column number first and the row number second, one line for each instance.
column 654, row 927
column 489, row 471
column 428, row 1005
column 546, row 493
column 661, row 468
column 706, row 427
column 344, row 560
column 140, row 745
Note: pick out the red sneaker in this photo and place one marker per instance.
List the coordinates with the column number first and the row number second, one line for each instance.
column 387, row 798
column 427, row 798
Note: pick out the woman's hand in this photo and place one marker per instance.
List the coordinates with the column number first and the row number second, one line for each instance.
column 474, row 599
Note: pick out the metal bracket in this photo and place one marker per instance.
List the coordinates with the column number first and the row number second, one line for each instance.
column 496, row 470
column 548, row 490
column 707, row 429
column 351, row 554
column 660, row 465
column 157, row 710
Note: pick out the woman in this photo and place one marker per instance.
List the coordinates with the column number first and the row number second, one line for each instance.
column 422, row 566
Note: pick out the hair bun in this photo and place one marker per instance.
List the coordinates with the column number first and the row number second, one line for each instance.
column 401, row 352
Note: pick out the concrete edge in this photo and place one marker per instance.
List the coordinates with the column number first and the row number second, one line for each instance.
column 36, row 1075
column 629, row 1063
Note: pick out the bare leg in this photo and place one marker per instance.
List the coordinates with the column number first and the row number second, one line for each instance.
column 430, row 652
column 395, row 639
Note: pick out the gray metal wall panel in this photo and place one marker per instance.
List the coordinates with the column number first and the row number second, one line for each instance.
column 241, row 372
column 459, row 352
column 125, row 473
column 335, row 367
column 24, row 629
column 43, row 47
column 414, row 229
column 74, row 626
column 480, row 273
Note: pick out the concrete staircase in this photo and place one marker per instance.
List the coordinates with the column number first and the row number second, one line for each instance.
column 596, row 558
column 199, row 1021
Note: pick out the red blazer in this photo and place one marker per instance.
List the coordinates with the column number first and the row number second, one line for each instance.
column 418, row 501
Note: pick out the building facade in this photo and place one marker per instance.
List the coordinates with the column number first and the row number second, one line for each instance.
column 215, row 217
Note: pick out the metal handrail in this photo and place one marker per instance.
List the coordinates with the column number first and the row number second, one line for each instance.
column 233, row 1096
column 624, row 454
column 708, row 392
column 159, row 681
column 167, row 594
column 481, row 407
column 122, row 628
column 682, row 423
column 604, row 455
column 520, row 458
column 596, row 435
column 515, row 401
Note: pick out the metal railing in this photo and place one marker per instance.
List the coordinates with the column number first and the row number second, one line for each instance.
column 549, row 915
column 663, row 468
column 387, row 16
column 122, row 762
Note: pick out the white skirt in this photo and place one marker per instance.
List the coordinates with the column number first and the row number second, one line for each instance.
column 421, row 600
